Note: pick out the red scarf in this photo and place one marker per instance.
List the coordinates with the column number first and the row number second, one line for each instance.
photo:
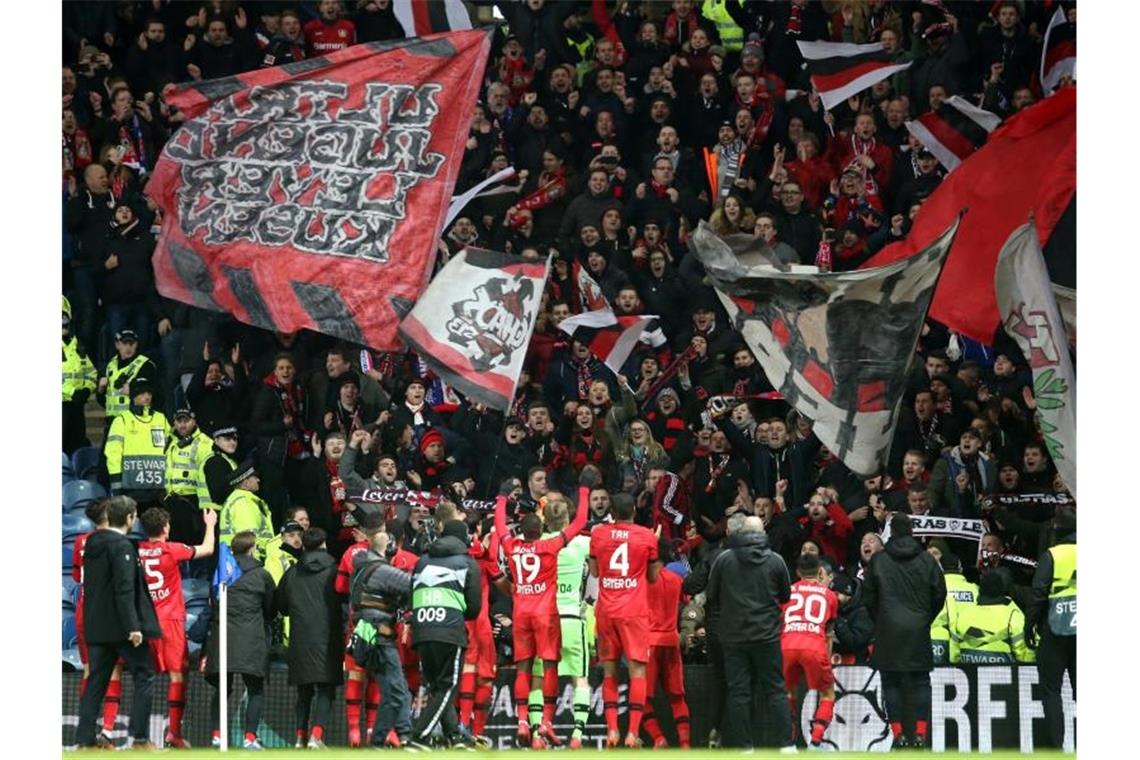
column 864, row 148
column 660, row 190
column 292, row 400
column 551, row 187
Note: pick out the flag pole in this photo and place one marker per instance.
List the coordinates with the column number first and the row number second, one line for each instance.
column 223, row 671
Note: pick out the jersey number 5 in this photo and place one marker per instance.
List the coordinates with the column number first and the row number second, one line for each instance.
column 154, row 577
column 619, row 560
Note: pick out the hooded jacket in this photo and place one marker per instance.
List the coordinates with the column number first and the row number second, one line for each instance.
column 115, row 596
column 306, row 596
column 904, row 591
column 250, row 607
column 748, row 582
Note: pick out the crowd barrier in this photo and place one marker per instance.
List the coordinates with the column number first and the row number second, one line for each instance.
column 980, row 709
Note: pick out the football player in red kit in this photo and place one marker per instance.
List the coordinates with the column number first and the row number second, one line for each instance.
column 480, row 660
column 160, row 559
column 808, row 614
column 358, row 685
column 624, row 559
column 665, row 653
column 97, row 513
column 532, row 563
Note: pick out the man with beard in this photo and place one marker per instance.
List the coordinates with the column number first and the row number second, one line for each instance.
column 778, row 460
column 904, row 591
column 960, row 477
column 572, row 375
column 540, row 433
column 716, row 478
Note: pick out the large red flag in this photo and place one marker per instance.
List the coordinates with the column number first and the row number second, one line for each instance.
column 311, row 195
column 1029, row 164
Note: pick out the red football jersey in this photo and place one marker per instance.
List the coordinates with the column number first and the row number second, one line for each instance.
column 665, row 609
column 806, row 615
column 344, row 568
column 487, row 560
column 77, row 558
column 533, row 565
column 159, row 560
column 324, row 38
column 623, row 552
column 405, row 560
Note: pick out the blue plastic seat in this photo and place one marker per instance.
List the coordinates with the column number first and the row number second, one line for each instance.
column 70, row 594
column 70, row 635
column 68, row 472
column 71, row 661
column 79, row 493
column 85, row 462
column 196, row 589
column 137, row 533
column 68, row 548
column 75, row 525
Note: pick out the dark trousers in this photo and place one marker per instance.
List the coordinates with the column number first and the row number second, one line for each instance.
column 441, row 665
column 906, row 696
column 395, row 699
column 255, row 705
column 717, row 686
column 101, row 660
column 1055, row 655
column 319, row 710
column 754, row 670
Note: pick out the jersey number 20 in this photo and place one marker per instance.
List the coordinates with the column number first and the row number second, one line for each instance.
column 811, row 608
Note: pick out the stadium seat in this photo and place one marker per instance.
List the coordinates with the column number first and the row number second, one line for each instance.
column 68, row 548
column 75, row 525
column 197, row 589
column 68, row 472
column 71, row 661
column 85, row 462
column 70, row 637
column 80, row 493
column 70, row 594
column 137, row 533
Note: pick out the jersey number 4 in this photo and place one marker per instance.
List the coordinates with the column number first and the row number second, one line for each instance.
column 619, row 560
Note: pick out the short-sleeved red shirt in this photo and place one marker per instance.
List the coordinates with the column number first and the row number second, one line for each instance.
column 806, row 615
column 623, row 552
column 159, row 560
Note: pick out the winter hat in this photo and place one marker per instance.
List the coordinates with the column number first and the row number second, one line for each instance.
column 430, row 437
column 753, row 46
column 245, row 470
column 992, row 584
column 456, row 529
column 841, row 583
column 667, row 392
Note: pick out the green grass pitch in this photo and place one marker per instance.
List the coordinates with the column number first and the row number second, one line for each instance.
column 694, row 753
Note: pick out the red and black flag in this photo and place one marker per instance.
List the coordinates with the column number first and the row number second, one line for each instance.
column 473, row 324
column 839, row 70
column 1059, row 52
column 838, row 346
column 423, row 17
column 288, row 193
column 610, row 338
column 954, row 131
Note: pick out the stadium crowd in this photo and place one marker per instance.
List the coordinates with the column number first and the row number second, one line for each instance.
column 605, row 110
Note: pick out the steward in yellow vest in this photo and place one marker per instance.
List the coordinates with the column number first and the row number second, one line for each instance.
column 114, row 387
column 136, row 449
column 992, row 631
column 959, row 592
column 245, row 510
column 78, row 384
column 187, row 452
column 731, row 35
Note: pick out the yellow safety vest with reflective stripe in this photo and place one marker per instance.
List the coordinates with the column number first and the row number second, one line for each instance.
column 184, row 464
column 204, row 500
column 117, row 377
column 1062, row 614
column 990, row 634
column 959, row 591
column 731, row 35
column 78, row 371
column 245, row 510
column 136, row 451
column 584, row 64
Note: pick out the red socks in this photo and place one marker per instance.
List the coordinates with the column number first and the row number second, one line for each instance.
column 822, row 719
column 353, row 690
column 250, row 736
column 549, row 690
column 522, row 692
column 318, row 733
column 175, row 705
column 371, row 704
column 680, row 719
column 482, row 705
column 649, row 722
column 609, row 702
column 111, row 704
column 896, row 729
column 637, row 689
column 920, row 729
column 466, row 697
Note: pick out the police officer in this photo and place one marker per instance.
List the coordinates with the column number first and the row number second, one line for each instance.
column 446, row 592
column 959, row 592
column 245, row 510
column 184, row 459
column 126, row 366
column 992, row 631
column 219, row 467
column 1052, row 615
column 136, row 449
column 78, row 384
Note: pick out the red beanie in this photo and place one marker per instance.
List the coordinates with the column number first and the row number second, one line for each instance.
column 430, row 437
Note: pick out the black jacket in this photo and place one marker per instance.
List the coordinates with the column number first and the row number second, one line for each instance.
column 89, row 217
column 381, row 593
column 115, row 597
column 307, row 598
column 749, row 582
column 250, row 607
column 218, row 472
column 854, row 628
column 904, row 591
column 698, row 581
column 446, row 565
column 132, row 280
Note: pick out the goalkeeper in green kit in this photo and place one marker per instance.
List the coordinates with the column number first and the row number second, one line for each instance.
column 576, row 617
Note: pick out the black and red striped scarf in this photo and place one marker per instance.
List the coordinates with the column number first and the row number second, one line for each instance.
column 292, row 400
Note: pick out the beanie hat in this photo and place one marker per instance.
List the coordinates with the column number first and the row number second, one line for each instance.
column 455, row 528
column 430, row 437
column 753, row 46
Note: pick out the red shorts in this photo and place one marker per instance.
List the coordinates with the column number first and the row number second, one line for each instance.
column 481, row 648
column 538, row 635
column 665, row 665
column 814, row 664
column 618, row 636
column 169, row 653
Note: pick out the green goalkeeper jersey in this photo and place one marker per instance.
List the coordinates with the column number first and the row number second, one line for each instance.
column 571, row 574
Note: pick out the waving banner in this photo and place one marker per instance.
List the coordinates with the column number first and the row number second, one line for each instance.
column 287, row 194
